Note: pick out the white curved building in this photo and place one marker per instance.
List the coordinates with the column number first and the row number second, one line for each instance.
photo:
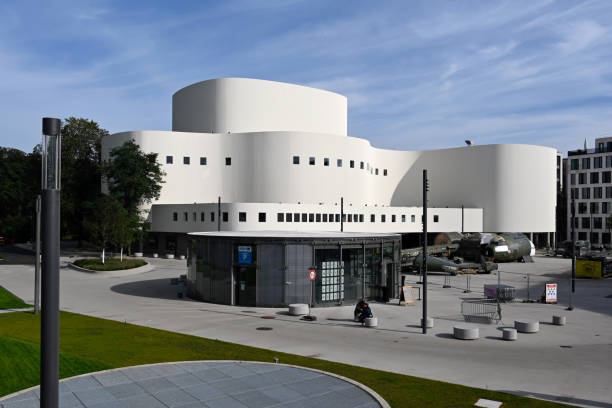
column 279, row 157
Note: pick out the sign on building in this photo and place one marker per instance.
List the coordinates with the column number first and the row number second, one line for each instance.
column 551, row 293
column 245, row 255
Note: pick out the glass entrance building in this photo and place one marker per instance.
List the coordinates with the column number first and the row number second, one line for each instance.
column 272, row 268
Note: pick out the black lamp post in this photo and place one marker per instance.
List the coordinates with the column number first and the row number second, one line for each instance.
column 49, row 327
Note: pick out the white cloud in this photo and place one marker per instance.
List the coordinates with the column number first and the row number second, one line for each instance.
column 581, row 35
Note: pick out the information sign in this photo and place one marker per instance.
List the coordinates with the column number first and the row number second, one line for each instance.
column 245, row 255
column 312, row 274
column 551, row 293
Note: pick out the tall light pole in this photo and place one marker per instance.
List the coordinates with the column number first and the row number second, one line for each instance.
column 424, row 263
column 37, row 260
column 49, row 326
column 573, row 210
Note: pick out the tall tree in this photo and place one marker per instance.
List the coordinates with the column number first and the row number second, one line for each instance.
column 81, row 173
column 133, row 177
column 104, row 222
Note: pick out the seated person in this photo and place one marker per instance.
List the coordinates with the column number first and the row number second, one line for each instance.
column 358, row 310
column 366, row 312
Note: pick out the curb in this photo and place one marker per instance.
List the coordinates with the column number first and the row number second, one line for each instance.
column 120, row 272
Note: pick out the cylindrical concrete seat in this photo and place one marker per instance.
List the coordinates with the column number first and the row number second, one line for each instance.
column 181, row 257
column 527, row 326
column 559, row 320
column 371, row 322
column 298, row 309
column 169, row 256
column 465, row 332
column 509, row 334
column 430, row 322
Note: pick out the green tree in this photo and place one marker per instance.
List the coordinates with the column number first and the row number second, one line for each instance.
column 134, row 178
column 125, row 231
column 81, row 173
column 104, row 222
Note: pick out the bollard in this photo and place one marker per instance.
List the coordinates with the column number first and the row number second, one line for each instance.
column 446, row 282
column 467, row 280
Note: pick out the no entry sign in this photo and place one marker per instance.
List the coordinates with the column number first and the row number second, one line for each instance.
column 312, row 274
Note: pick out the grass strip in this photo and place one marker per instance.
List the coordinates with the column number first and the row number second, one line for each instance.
column 113, row 344
column 110, row 264
column 10, row 301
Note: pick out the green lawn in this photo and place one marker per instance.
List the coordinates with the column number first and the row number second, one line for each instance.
column 10, row 301
column 110, row 264
column 90, row 344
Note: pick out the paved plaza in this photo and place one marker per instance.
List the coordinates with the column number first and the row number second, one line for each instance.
column 205, row 385
column 563, row 363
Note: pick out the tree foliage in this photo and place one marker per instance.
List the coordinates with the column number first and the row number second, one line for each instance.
column 110, row 223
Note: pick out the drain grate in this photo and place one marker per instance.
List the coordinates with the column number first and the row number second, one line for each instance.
column 263, row 328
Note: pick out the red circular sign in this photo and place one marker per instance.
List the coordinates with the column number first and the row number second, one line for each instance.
column 312, row 275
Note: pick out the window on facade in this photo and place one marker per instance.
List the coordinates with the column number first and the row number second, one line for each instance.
column 572, row 179
column 296, row 217
column 392, row 217
column 594, row 208
column 577, row 223
column 168, row 159
column 403, row 217
column 608, row 192
column 337, row 217
column 383, row 218
column 331, row 217
column 384, row 172
column 597, row 223
column 597, row 192
column 194, row 217
column 202, row 217
column 376, row 172
column 289, row 217
column 228, row 161
column 606, row 177
column 574, row 193
column 605, row 237
column 372, row 218
column 339, row 162
column 594, row 177
column 604, row 207
column 586, row 222
column 186, row 160
column 296, row 159
column 225, row 216
column 582, row 178
column 361, row 165
column 311, row 161
column 174, row 216
column 324, row 217
column 280, row 217
column 574, row 164
column 185, row 216
column 350, row 218
column 360, row 217
column 412, row 218
column 586, row 193
column 318, row 217
column 311, row 217
column 202, row 161
column 212, row 217
column 595, row 238
column 352, row 164
column 241, row 217
column 436, row 218
column 262, row 217
column 608, row 162
column 586, row 163
column 582, row 236
column 304, row 217
column 582, row 208
column 597, row 162
column 326, row 161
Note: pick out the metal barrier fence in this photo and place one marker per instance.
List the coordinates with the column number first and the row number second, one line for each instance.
column 479, row 310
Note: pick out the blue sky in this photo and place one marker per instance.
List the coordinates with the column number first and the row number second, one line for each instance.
column 418, row 75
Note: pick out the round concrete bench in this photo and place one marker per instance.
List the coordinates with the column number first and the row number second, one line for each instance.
column 430, row 322
column 298, row 309
column 527, row 326
column 169, row 256
column 465, row 332
column 509, row 334
column 371, row 322
column 559, row 320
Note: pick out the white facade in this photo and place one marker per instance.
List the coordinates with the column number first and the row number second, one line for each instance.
column 263, row 126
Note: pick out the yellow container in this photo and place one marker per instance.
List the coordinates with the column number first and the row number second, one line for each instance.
column 588, row 269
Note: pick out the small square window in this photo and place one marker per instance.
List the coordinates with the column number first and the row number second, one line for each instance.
column 194, row 217
column 311, row 217
column 202, row 217
column 186, row 160
column 225, row 216
column 318, row 217
column 339, row 162
column 337, row 217
column 384, row 172
column 350, row 218
column 168, row 159
column 352, row 164
column 372, row 218
column 403, row 217
column 262, row 217
column 280, row 217
column 185, row 216
column 376, row 172
column 296, row 159
column 228, row 161
column 326, row 161
column 289, row 217
column 360, row 217
column 436, row 218
column 383, row 218
column 304, row 217
column 331, row 217
column 361, row 165
column 202, row 161
column 212, row 217
column 241, row 217
column 324, row 217
column 311, row 161
column 392, row 217
column 412, row 218
column 174, row 216
column 296, row 217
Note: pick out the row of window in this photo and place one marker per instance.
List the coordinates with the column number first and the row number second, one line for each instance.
column 203, row 160
column 586, row 163
column 362, row 165
column 585, row 193
column 598, row 222
column 594, row 208
column 296, row 217
column 606, row 177
column 605, row 237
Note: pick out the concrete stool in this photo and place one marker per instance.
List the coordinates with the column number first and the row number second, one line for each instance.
column 298, row 309
column 182, row 257
column 465, row 332
column 527, row 326
column 558, row 320
column 371, row 322
column 509, row 334
column 429, row 324
column 169, row 256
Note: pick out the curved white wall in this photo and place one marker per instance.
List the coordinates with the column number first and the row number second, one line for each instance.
column 251, row 105
column 513, row 184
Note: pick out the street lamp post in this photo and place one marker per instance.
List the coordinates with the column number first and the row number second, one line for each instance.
column 424, row 258
column 49, row 327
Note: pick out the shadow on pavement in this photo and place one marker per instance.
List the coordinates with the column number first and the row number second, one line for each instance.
column 155, row 288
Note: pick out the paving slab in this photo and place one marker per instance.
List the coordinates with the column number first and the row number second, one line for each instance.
column 167, row 390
